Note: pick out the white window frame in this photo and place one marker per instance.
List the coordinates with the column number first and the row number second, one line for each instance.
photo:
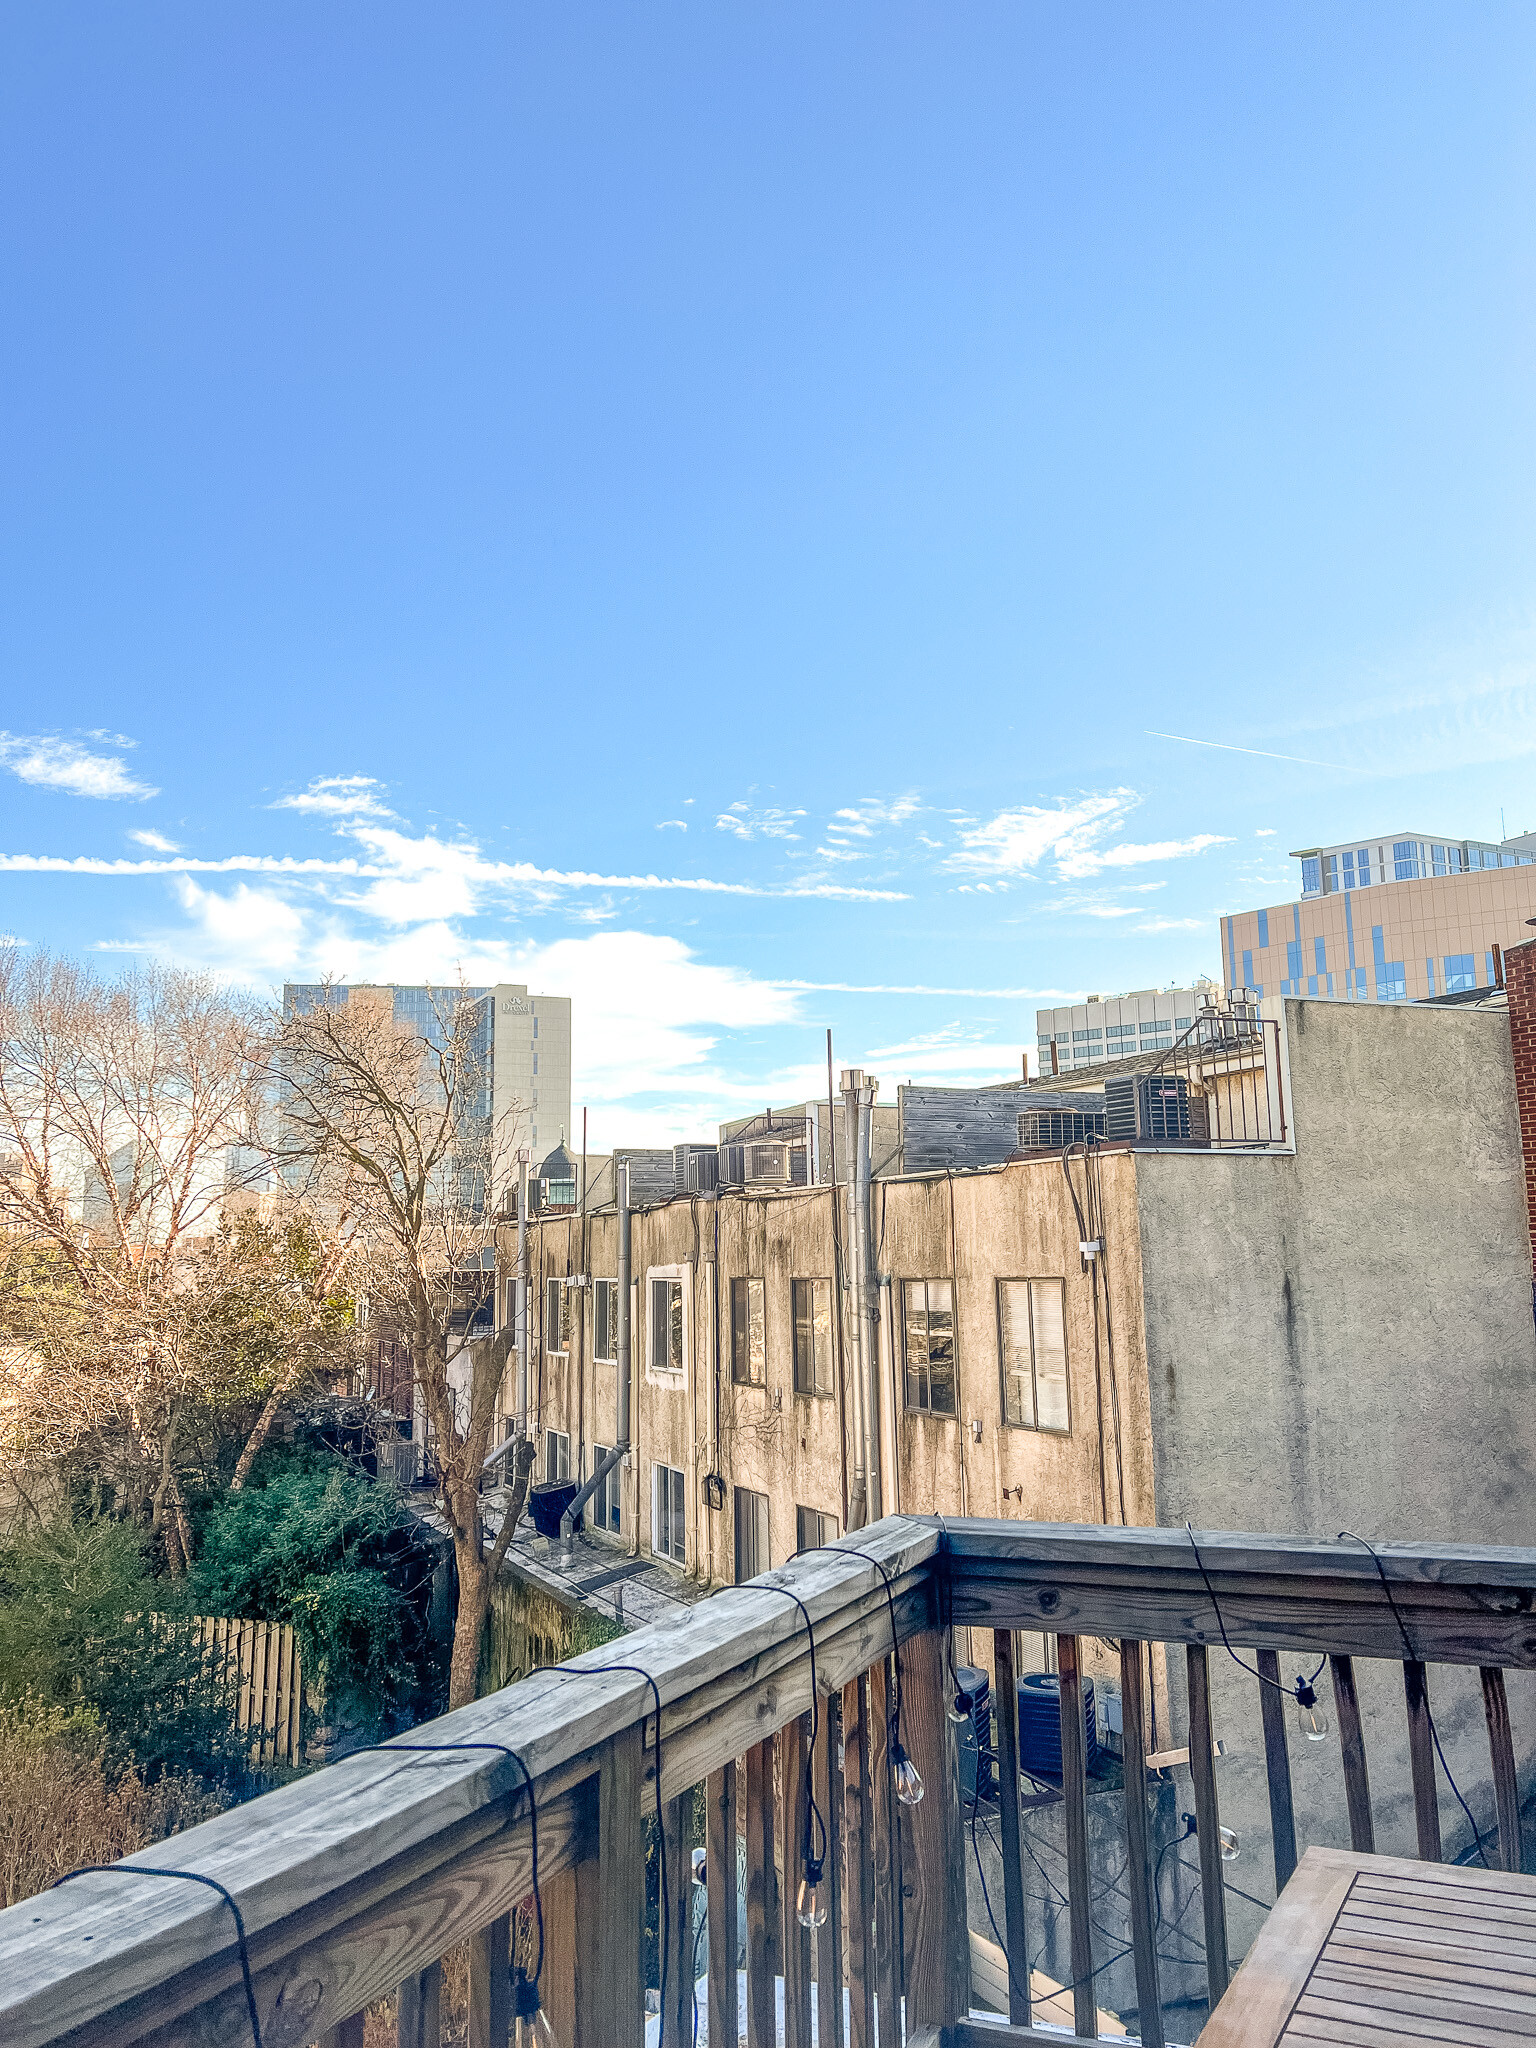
column 665, row 1475
column 608, row 1500
column 821, row 1386
column 553, row 1455
column 562, row 1322
column 611, row 1288
column 668, row 1375
column 1034, row 1284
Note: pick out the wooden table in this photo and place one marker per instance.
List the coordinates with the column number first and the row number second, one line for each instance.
column 1381, row 1952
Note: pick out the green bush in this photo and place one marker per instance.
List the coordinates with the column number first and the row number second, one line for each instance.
column 85, row 1629
column 312, row 1542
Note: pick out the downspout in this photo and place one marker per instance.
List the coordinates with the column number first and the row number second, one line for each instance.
column 521, row 1321
column 858, row 1103
column 572, row 1515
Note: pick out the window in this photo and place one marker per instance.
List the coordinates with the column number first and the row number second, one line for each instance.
column 1263, row 927
column 557, row 1316
column 1363, row 867
column 1437, row 859
column 1405, row 860
column 1293, row 959
column 1311, row 877
column 1454, row 863
column 1460, row 972
column 511, row 1314
column 1032, row 1341
column 1330, row 874
column 813, row 1528
column 605, row 1502
column 1392, row 983
column 1319, row 956
column 557, row 1455
column 751, row 1534
column 1183, row 1023
column 812, row 1304
column 749, row 1352
column 928, row 1329
column 605, row 1321
column 669, row 1535
column 666, row 1325
column 1247, row 970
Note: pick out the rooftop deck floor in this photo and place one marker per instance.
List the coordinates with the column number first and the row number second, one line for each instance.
column 1382, row 1952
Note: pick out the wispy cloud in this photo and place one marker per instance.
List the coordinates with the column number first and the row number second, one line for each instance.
column 1175, row 924
column 1069, row 837
column 52, row 762
column 870, row 815
column 673, row 825
column 1260, row 753
column 1130, row 856
column 155, row 841
column 746, row 823
column 338, row 796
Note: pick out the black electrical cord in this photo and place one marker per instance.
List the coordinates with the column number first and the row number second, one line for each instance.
column 525, row 1998
column 192, row 1877
column 1348, row 1536
column 813, row 1837
column 638, row 1671
column 1301, row 1691
column 898, row 1753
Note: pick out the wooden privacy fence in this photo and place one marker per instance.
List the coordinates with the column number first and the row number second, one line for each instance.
column 263, row 1660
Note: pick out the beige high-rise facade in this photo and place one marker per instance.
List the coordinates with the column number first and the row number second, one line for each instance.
column 1390, row 919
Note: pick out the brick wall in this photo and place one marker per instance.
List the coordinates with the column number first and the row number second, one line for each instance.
column 1520, row 981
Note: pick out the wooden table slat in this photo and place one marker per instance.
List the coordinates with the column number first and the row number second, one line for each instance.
column 1395, row 1991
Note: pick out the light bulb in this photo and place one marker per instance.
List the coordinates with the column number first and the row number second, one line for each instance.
column 700, row 1867
column 810, row 1906
column 1314, row 1722
column 1231, row 1847
column 960, row 1706
column 909, row 1785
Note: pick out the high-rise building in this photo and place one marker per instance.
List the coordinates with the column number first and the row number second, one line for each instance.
column 1108, row 1027
column 1388, row 919
column 523, row 1041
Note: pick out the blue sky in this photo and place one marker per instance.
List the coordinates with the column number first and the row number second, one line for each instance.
column 482, row 467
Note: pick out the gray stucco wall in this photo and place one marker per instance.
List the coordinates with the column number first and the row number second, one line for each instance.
column 1344, row 1340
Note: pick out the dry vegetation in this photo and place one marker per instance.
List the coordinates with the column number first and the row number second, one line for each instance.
column 61, row 1805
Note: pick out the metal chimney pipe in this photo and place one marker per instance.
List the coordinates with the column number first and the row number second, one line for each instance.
column 858, row 1104
column 601, row 1470
column 520, row 1312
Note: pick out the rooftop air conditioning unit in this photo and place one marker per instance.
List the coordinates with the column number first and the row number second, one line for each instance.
column 731, row 1165
column 695, row 1169
column 1053, row 1128
column 1154, row 1109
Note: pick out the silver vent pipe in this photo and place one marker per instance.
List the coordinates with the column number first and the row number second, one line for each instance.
column 572, row 1516
column 864, row 1504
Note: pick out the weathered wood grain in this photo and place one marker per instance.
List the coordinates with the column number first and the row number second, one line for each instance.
column 858, row 1866
column 1357, row 1777
column 791, row 1742
column 1202, row 1769
column 616, row 1980
column 1501, row 1752
column 1074, row 1795
column 1421, row 1760
column 885, row 1844
column 490, row 1986
column 1005, row 1724
column 762, row 1898
column 1270, row 1978
column 938, row 1962
column 1138, row 1871
column 680, row 1980
column 418, row 2008
column 1277, row 1767
column 720, row 1886
column 828, row 1776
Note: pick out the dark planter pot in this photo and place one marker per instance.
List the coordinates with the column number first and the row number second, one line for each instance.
column 549, row 1501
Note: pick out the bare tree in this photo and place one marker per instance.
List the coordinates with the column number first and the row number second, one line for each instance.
column 396, row 1130
column 119, row 1104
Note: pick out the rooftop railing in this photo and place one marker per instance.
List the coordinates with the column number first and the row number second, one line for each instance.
column 353, row 1882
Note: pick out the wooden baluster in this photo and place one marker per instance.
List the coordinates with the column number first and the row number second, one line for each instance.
column 1357, row 1779
column 679, row 2023
column 1074, row 1793
column 827, row 1766
column 1501, row 1751
column 720, row 1885
column 569, row 1901
column 885, row 1859
column 418, row 2007
column 1005, row 1735
column 1277, row 1767
column 1421, row 1760
column 762, row 1899
column 1202, row 1768
column 346, row 2033
column 611, row 1991
column 858, row 1865
column 1133, row 1719
column 797, row 1939
column 490, row 1985
column 933, row 1858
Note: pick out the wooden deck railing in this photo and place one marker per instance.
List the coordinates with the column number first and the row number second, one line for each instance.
column 353, row 1882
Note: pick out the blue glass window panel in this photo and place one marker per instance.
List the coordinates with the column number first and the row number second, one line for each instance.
column 1349, row 871
column 1311, row 878
column 1320, row 955
column 1437, row 859
column 1263, row 927
column 1405, row 860
column 1247, row 970
column 1363, row 864
column 1488, row 959
column 1429, row 975
column 1293, row 959
column 1460, row 972
column 1391, row 982
column 1378, row 947
column 1311, row 984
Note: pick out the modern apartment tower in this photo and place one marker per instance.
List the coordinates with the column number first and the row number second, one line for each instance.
column 1388, row 919
column 524, row 1040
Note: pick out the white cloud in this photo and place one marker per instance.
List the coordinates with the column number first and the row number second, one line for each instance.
column 747, row 823
column 338, row 796
column 1175, row 924
column 1265, row 832
column 1126, row 856
column 673, row 825
column 1018, row 840
column 155, row 841
column 863, row 819
column 55, row 763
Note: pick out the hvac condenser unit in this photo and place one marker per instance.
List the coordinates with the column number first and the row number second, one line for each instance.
column 1053, row 1128
column 1156, row 1109
column 763, row 1162
column 695, row 1169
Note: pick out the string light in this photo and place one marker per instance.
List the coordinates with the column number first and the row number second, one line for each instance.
column 1314, row 1722
column 1302, row 1691
column 905, row 1776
